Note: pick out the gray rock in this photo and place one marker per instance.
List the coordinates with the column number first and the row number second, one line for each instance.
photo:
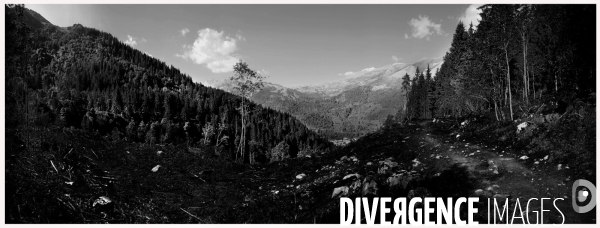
column 418, row 192
column 352, row 176
column 369, row 186
column 339, row 192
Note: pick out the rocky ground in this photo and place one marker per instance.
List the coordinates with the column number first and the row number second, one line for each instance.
column 86, row 181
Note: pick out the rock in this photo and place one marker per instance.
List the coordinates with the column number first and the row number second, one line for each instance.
column 536, row 163
column 103, row 204
column 155, row 169
column 339, row 192
column 394, row 181
column 357, row 176
column 369, row 186
column 369, row 163
column 493, row 167
column 479, row 192
column 546, row 158
column 300, row 176
column 158, row 153
column 353, row 158
column 418, row 192
column 522, row 126
column 416, row 162
column 524, row 157
column 355, row 188
column 559, row 166
column 551, row 118
column 483, row 193
column 386, row 166
column 464, row 123
column 501, row 196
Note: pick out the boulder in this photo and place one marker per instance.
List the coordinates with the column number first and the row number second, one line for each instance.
column 484, row 193
column 351, row 176
column 522, row 126
column 552, row 118
column 155, row 169
column 369, row 186
column 386, row 166
column 418, row 192
column 300, row 176
column 493, row 167
column 355, row 188
column 103, row 204
column 340, row 191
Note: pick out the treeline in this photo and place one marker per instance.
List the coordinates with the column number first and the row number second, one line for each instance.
column 518, row 57
column 83, row 78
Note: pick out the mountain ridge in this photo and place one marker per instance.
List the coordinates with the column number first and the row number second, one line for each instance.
column 349, row 107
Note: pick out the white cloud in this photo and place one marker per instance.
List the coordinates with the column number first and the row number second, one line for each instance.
column 424, row 28
column 347, row 73
column 240, row 37
column 184, row 31
column 264, row 72
column 214, row 49
column 406, row 36
column 148, row 54
column 471, row 15
column 369, row 69
column 144, row 40
column 350, row 73
column 395, row 58
column 131, row 41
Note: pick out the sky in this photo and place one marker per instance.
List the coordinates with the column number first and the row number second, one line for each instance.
column 290, row 44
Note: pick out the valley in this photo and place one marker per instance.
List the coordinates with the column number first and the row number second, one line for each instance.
column 348, row 108
column 98, row 131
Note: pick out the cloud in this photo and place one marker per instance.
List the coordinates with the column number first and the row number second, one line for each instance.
column 214, row 49
column 144, row 40
column 369, row 69
column 424, row 28
column 349, row 73
column 395, row 58
column 184, row 31
column 131, row 41
column 471, row 15
column 406, row 36
column 264, row 72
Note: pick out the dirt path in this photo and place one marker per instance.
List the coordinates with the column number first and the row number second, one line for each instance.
column 499, row 173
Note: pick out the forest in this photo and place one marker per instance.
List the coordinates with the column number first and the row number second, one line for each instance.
column 517, row 58
column 526, row 67
column 82, row 78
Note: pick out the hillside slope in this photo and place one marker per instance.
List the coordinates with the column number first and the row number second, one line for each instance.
column 83, row 78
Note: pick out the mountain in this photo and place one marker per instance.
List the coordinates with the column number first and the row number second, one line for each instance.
column 82, row 78
column 347, row 108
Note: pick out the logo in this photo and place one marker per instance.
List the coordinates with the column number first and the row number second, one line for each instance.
column 583, row 191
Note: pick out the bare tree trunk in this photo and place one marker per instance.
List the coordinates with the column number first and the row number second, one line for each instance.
column 508, row 81
column 525, row 83
column 555, row 81
column 496, row 110
column 533, row 84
